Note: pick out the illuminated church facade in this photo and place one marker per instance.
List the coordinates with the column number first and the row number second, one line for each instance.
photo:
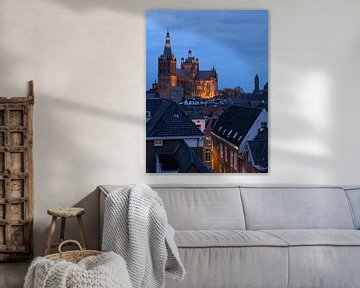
column 185, row 82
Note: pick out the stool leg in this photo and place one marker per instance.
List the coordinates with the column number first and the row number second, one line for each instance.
column 62, row 231
column 51, row 235
column 82, row 232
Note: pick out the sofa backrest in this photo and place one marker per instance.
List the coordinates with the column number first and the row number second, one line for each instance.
column 209, row 207
column 202, row 208
column 296, row 208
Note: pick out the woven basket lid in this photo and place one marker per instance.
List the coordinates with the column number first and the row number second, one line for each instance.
column 72, row 256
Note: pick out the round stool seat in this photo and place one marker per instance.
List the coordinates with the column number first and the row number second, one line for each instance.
column 66, row 211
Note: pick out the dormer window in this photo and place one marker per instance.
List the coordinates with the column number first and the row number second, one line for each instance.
column 158, row 143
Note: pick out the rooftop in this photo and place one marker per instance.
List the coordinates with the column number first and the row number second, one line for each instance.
column 206, row 74
column 235, row 123
column 258, row 149
column 169, row 120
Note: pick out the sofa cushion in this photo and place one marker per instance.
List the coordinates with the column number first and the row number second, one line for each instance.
column 324, row 266
column 199, row 207
column 225, row 238
column 220, row 267
column 296, row 208
column 206, row 208
column 327, row 258
column 315, row 237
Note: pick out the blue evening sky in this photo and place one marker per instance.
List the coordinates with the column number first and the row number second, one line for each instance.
column 234, row 41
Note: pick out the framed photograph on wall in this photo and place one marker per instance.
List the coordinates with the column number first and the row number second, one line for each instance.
column 207, row 91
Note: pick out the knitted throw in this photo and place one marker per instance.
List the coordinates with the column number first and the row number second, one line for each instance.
column 103, row 271
column 136, row 227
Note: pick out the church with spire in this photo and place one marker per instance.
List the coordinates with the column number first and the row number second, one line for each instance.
column 185, row 82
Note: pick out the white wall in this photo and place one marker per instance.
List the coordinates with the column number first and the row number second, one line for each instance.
column 87, row 59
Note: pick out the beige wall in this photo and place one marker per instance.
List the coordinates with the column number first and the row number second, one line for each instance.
column 87, row 59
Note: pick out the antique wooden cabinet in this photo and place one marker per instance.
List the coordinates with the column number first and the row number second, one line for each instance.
column 16, row 177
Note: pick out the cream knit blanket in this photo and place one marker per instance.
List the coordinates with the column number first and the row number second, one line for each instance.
column 136, row 227
column 103, row 271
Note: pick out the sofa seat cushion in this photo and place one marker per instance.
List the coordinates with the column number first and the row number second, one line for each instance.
column 225, row 238
column 317, row 237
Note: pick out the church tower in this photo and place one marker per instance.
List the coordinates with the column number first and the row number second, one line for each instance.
column 166, row 70
column 256, row 84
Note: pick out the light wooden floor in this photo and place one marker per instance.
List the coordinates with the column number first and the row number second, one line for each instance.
column 12, row 274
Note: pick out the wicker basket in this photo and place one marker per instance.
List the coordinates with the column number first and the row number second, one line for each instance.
column 72, row 256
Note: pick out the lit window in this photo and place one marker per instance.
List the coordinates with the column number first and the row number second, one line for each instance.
column 221, row 151
column 208, row 155
column 158, row 143
column 226, row 154
column 231, row 158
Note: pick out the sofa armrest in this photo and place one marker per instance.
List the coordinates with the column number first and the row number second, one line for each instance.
column 103, row 195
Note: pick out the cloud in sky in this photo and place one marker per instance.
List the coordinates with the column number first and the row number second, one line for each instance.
column 234, row 41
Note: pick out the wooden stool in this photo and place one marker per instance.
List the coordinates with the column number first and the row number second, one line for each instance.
column 64, row 213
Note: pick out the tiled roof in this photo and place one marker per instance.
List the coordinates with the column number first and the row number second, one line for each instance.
column 206, row 74
column 169, row 120
column 262, row 135
column 258, row 148
column 153, row 104
column 202, row 75
column 187, row 158
column 235, row 122
column 193, row 112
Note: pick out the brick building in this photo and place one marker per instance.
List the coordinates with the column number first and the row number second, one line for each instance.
column 230, row 135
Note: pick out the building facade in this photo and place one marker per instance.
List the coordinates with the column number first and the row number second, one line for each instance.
column 187, row 81
column 230, row 136
column 173, row 142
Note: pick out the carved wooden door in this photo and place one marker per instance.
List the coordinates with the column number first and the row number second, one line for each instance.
column 16, row 177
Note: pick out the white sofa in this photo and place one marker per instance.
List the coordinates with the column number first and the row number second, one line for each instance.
column 242, row 236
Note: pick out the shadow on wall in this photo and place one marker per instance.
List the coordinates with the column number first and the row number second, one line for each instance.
column 72, row 161
column 91, row 222
column 133, row 6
